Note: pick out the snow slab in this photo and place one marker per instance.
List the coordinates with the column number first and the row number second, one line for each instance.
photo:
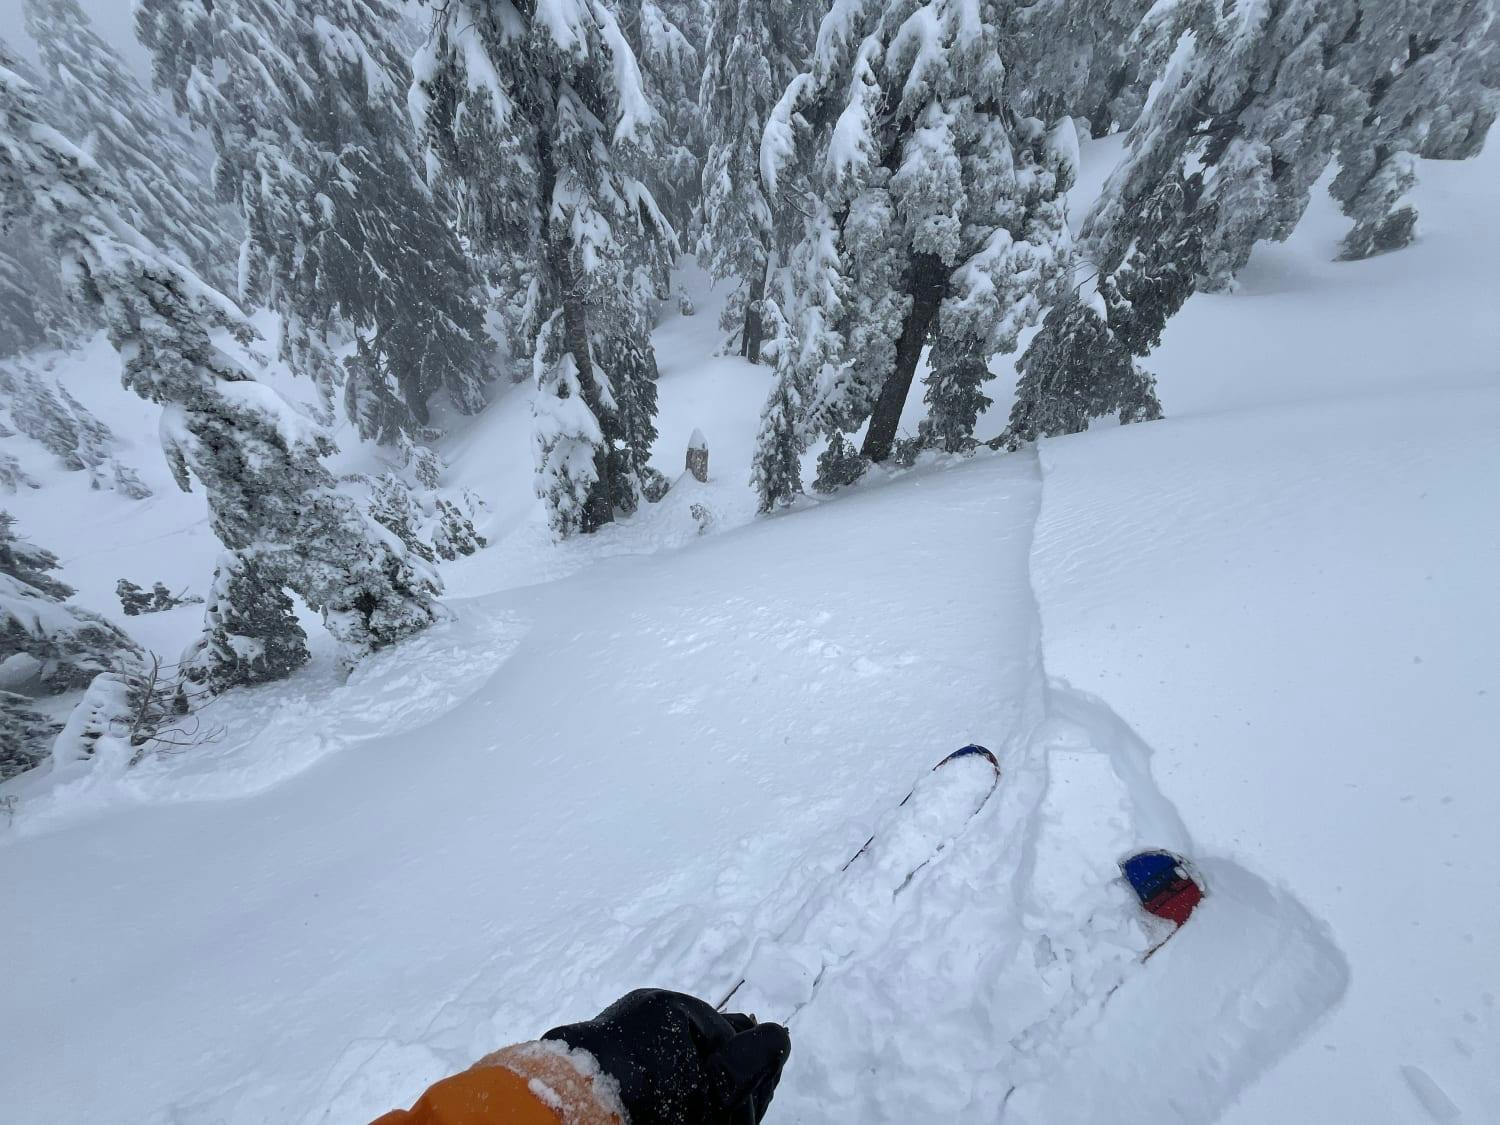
column 733, row 720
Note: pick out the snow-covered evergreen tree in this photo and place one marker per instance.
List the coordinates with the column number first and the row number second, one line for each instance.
column 944, row 203
column 954, row 393
column 1082, row 364
column 35, row 308
column 164, row 178
column 754, row 50
column 269, row 495
column 538, row 115
column 13, row 477
column 1249, row 111
column 304, row 100
column 1249, row 107
column 1429, row 86
column 1075, row 371
column 809, row 353
column 839, row 466
column 47, row 646
column 251, row 632
column 43, row 410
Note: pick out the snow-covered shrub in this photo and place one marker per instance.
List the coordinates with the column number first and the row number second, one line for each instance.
column 135, row 601
column 13, row 478
column 139, row 709
column 840, row 465
column 47, row 646
column 251, row 632
column 44, row 411
column 25, row 735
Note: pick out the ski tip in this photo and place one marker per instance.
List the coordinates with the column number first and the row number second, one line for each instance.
column 1164, row 883
column 972, row 750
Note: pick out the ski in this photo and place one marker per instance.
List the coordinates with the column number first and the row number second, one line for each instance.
column 915, row 832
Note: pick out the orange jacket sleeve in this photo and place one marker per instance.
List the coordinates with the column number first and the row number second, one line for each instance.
column 543, row 1083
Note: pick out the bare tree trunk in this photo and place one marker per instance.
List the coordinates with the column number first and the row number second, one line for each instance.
column 753, row 335
column 928, row 280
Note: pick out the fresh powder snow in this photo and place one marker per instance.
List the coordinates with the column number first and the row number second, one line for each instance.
column 694, row 749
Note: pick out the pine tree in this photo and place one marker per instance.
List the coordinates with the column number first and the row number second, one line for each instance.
column 1081, row 365
column 47, row 646
column 258, row 459
column 13, row 477
column 1075, row 371
column 955, row 395
column 251, row 632
column 537, row 115
column 305, row 104
column 809, row 359
column 1244, row 121
column 839, row 466
column 776, row 468
column 43, row 410
column 1430, row 87
column 165, row 186
column 35, row 309
column 946, row 203
column 754, row 50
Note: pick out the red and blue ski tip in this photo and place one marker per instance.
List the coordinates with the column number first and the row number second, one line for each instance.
column 1164, row 884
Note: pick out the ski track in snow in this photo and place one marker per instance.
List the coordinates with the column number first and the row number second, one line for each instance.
column 980, row 961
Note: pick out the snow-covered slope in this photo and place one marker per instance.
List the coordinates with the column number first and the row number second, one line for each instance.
column 1288, row 590
column 1249, row 633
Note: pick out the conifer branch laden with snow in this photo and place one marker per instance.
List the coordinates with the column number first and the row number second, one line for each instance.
column 164, row 179
column 271, row 500
column 754, row 50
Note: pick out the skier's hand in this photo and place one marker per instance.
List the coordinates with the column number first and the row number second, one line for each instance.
column 679, row 1062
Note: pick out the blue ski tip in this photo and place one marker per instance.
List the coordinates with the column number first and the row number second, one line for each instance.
column 1150, row 872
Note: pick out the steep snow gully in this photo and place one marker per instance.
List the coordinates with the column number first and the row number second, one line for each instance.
column 975, row 964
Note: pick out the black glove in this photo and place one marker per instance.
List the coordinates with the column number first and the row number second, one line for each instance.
column 679, row 1062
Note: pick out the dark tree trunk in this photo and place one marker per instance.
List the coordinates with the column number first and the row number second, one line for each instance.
column 600, row 508
column 927, row 282
column 755, row 320
column 754, row 332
